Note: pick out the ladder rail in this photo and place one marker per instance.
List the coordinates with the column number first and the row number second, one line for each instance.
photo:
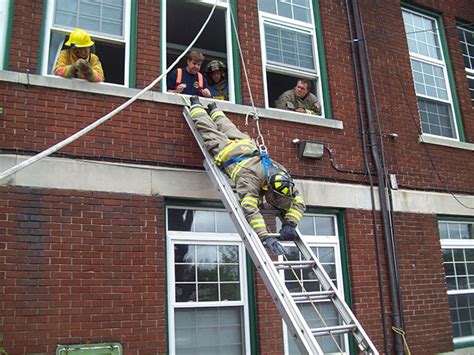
column 281, row 296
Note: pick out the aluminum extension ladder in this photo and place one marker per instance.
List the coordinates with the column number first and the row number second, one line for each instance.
column 286, row 302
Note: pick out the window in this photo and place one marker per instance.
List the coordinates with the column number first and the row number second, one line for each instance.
column 430, row 75
column 208, row 308
column 4, row 9
column 106, row 21
column 466, row 37
column 322, row 235
column 215, row 42
column 290, row 52
column 457, row 243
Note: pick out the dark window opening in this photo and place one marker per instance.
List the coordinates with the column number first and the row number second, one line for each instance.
column 191, row 16
column 277, row 84
column 111, row 56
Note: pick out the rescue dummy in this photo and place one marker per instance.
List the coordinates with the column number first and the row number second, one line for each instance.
column 255, row 176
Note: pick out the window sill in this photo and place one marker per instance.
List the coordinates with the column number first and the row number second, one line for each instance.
column 424, row 138
column 155, row 96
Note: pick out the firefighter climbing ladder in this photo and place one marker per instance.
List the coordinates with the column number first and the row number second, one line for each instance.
column 286, row 302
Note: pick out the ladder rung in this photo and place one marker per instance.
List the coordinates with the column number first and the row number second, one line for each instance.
column 301, row 297
column 294, row 264
column 336, row 329
column 274, row 235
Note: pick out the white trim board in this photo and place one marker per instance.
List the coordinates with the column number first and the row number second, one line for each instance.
column 61, row 173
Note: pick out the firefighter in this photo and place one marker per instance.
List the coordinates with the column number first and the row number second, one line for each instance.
column 78, row 61
column 189, row 80
column 215, row 72
column 255, row 175
column 300, row 99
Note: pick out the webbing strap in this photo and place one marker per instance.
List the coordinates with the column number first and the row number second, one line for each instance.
column 237, row 159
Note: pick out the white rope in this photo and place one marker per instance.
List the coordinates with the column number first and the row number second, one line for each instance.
column 105, row 118
column 260, row 139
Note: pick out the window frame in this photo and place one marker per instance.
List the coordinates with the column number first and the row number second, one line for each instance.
column 444, row 62
column 48, row 27
column 459, row 342
column 6, row 18
column 231, row 72
column 204, row 238
column 295, row 26
column 320, row 241
column 469, row 71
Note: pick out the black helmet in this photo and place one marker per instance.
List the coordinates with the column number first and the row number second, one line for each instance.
column 214, row 65
column 280, row 181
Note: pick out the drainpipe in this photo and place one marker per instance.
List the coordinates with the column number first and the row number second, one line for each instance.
column 388, row 237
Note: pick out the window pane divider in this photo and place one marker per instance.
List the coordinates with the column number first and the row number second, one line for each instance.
column 286, row 20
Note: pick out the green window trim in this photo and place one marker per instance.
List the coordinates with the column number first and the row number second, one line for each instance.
column 8, row 35
column 132, row 68
column 449, row 68
column 235, row 54
column 323, row 75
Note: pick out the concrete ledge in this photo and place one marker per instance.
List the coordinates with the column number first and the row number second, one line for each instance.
column 424, row 138
column 59, row 173
column 155, row 96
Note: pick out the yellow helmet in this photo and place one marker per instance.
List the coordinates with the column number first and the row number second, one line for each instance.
column 79, row 38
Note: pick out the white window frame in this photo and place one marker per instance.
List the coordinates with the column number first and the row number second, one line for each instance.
column 439, row 63
column 49, row 27
column 322, row 241
column 4, row 13
column 469, row 71
column 224, row 4
column 205, row 238
column 458, row 244
column 297, row 26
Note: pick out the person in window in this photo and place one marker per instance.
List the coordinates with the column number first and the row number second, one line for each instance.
column 78, row 61
column 255, row 176
column 189, row 80
column 300, row 99
column 218, row 86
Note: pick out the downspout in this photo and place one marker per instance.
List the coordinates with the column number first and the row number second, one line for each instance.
column 390, row 252
column 363, row 134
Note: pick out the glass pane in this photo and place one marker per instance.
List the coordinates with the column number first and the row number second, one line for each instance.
column 306, row 225
column 228, row 254
column 185, row 273
column 267, row 6
column 180, row 219
column 184, row 253
column 224, row 223
column 229, row 272
column 326, row 255
column 325, row 226
column 434, row 118
column 206, row 254
column 185, row 292
column 204, row 221
column 443, row 230
column 207, row 273
column 462, row 313
column 209, row 331
column 230, row 292
column 288, row 47
column 207, row 292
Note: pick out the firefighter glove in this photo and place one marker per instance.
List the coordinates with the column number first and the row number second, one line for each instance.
column 288, row 231
column 273, row 246
column 83, row 66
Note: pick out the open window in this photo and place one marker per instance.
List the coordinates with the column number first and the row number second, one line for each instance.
column 289, row 52
column 214, row 43
column 106, row 21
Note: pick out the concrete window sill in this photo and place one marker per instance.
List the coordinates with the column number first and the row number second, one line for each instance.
column 424, row 138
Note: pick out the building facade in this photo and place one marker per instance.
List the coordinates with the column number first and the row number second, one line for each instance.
column 118, row 240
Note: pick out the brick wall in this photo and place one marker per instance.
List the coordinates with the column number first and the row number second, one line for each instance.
column 81, row 267
column 423, row 287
